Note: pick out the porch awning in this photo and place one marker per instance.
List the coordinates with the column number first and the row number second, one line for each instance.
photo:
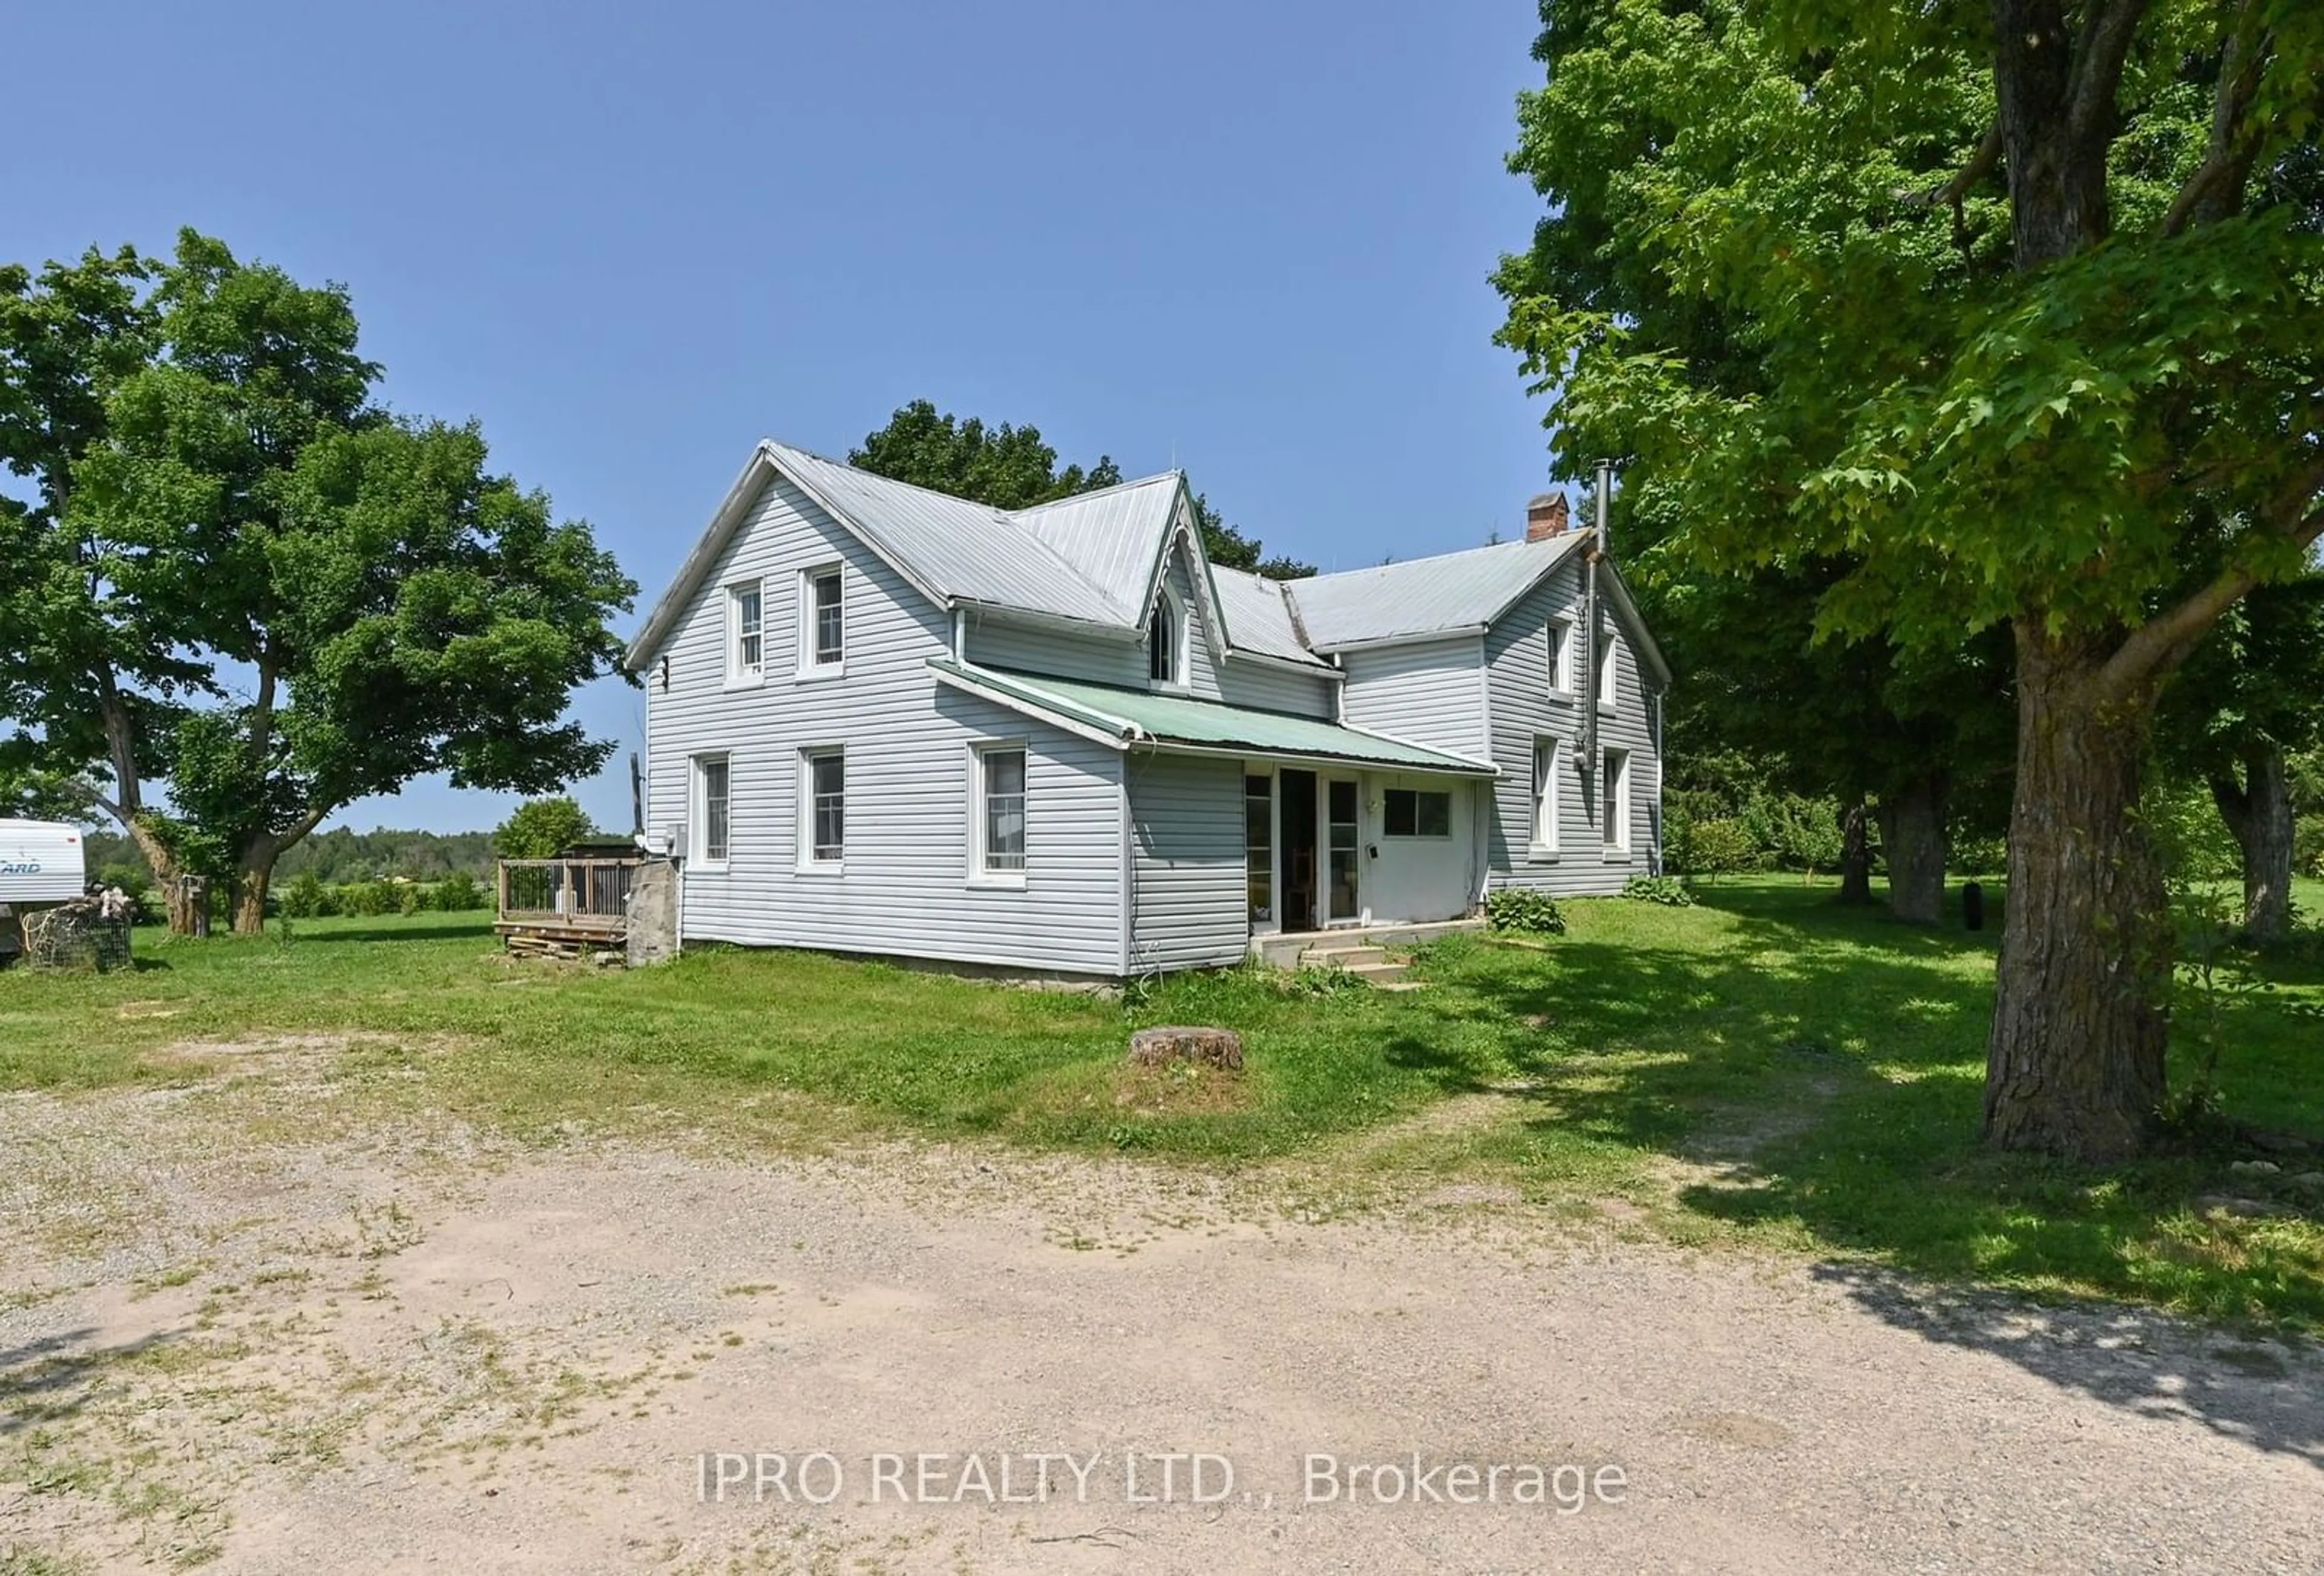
column 1142, row 719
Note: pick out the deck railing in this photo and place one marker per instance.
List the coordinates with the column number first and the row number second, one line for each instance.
column 574, row 894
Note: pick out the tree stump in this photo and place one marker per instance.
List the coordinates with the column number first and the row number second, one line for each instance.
column 1210, row 1048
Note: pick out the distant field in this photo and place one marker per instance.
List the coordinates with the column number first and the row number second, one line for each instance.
column 1762, row 1069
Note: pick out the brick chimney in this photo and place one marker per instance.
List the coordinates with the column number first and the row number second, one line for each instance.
column 1545, row 517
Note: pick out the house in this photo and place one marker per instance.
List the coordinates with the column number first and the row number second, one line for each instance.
column 885, row 720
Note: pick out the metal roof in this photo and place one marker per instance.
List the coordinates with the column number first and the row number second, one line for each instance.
column 972, row 551
column 1419, row 597
column 1092, row 560
column 1111, row 537
column 1259, row 618
column 1143, row 718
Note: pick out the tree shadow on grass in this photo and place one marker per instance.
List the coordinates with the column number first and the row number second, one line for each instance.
column 1818, row 1074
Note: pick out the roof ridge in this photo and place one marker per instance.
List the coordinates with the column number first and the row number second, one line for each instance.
column 997, row 512
column 1004, row 518
column 1562, row 538
column 1096, row 492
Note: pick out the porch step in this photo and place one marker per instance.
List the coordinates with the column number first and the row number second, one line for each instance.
column 1369, row 963
column 1284, row 950
column 1344, row 958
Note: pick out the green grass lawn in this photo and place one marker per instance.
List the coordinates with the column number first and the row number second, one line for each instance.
column 1763, row 1068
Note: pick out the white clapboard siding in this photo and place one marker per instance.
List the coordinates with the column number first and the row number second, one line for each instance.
column 1190, row 893
column 905, row 887
column 1431, row 692
column 1525, row 703
column 1025, row 648
column 999, row 643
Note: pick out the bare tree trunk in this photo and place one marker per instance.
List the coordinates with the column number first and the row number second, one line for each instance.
column 169, row 875
column 1855, row 857
column 254, row 871
column 1913, row 839
column 2258, row 811
column 2075, row 1065
column 250, row 883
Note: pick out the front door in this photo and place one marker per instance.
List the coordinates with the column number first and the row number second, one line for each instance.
column 1296, row 848
column 1344, row 852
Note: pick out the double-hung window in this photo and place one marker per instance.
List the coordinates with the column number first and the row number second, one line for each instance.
column 823, row 808
column 746, row 633
column 1546, row 762
column 1000, row 813
column 1561, row 657
column 1609, row 656
column 1616, row 805
column 712, row 784
column 823, row 626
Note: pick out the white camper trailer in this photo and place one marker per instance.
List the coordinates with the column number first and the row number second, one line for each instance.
column 41, row 863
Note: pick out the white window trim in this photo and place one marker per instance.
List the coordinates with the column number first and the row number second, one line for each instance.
column 807, row 669
column 1180, row 681
column 1561, row 657
column 697, row 814
column 806, row 863
column 1616, row 810
column 1005, row 881
column 738, row 676
column 1608, row 676
column 1548, row 797
column 1273, row 924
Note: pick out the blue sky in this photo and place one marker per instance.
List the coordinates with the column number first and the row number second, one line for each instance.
column 1249, row 239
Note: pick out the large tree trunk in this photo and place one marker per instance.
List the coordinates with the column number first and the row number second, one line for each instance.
column 169, row 875
column 1913, row 837
column 2075, row 1065
column 254, row 873
column 2259, row 813
column 1855, row 857
column 250, row 884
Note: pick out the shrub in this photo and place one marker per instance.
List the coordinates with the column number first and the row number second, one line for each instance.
column 304, row 898
column 1668, row 890
column 1524, row 909
column 1976, row 854
column 458, row 892
column 413, row 899
column 541, row 829
column 2190, row 838
column 1720, row 847
column 2307, row 845
column 1803, row 833
column 369, row 899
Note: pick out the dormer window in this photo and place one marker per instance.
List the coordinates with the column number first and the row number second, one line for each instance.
column 1165, row 641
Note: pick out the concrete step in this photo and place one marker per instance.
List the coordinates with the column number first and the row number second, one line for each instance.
column 1380, row 973
column 1344, row 957
column 1283, row 950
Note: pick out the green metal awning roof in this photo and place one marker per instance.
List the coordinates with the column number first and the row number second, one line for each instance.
column 1135, row 718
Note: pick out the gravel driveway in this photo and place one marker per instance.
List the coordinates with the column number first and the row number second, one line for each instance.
column 430, row 1352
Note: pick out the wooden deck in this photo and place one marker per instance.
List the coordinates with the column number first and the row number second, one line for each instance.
column 564, row 907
